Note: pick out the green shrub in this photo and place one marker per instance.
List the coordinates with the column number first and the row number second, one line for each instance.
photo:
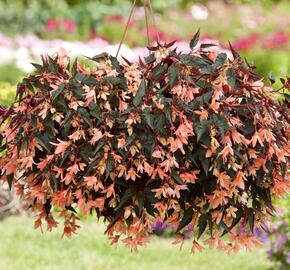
column 10, row 73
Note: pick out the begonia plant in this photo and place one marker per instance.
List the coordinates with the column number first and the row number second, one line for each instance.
column 191, row 139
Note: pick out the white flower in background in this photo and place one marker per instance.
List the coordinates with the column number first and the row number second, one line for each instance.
column 6, row 55
column 199, row 12
column 23, row 60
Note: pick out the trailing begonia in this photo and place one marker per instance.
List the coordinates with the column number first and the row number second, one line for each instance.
column 196, row 140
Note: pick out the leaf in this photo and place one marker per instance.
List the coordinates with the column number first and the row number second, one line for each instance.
column 160, row 123
column 271, row 77
column 150, row 59
column 126, row 198
column 232, row 79
column 121, row 83
column 99, row 57
column 202, row 224
column 74, row 69
column 58, row 91
column 177, row 178
column 221, row 123
column 158, row 71
column 84, row 79
column 43, row 140
column 85, row 116
column 95, row 111
column 201, row 128
column 140, row 93
column 38, row 67
column 283, row 169
column 193, row 60
column 61, row 103
column 194, row 40
column 186, row 219
column 239, row 215
column 220, row 60
column 251, row 219
column 234, row 53
column 10, row 178
column 207, row 45
column 173, row 74
column 70, row 208
column 150, row 200
column 52, row 65
column 149, row 118
column 109, row 166
column 47, row 206
column 205, row 165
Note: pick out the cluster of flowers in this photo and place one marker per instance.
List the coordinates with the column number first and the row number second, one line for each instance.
column 272, row 41
column 67, row 25
column 191, row 139
column 277, row 237
column 280, row 245
column 162, row 229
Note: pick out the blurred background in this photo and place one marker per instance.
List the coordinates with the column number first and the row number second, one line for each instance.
column 259, row 30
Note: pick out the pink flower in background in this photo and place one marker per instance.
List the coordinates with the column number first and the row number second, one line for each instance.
column 52, row 24
column 69, row 26
column 276, row 41
column 153, row 34
column 55, row 24
column 247, row 42
column 114, row 18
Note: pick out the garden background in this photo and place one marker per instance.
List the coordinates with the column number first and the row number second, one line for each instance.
column 259, row 30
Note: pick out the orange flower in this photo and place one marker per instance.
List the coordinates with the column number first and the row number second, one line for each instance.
column 223, row 179
column 131, row 174
column 203, row 114
column 196, row 247
column 61, row 146
column 239, row 180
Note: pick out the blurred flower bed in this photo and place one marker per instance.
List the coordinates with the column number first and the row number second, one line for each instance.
column 260, row 31
column 277, row 237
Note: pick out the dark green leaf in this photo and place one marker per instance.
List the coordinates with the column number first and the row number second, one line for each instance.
column 221, row 123
column 283, row 169
column 140, row 93
column 109, row 166
column 84, row 79
column 220, row 60
column 201, row 128
column 271, row 77
column 10, row 178
column 95, row 111
column 231, row 77
column 251, row 219
column 58, row 91
column 202, row 224
column 126, row 198
column 43, row 140
column 159, row 71
column 150, row 59
column 177, row 178
column 173, row 74
column 239, row 215
column 194, row 40
column 149, row 118
column 186, row 219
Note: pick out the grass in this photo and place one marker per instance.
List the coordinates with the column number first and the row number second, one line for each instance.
column 23, row 248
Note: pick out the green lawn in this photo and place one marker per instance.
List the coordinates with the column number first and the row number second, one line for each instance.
column 23, row 248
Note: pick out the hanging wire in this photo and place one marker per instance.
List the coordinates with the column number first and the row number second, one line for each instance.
column 146, row 20
column 154, row 21
column 126, row 28
column 145, row 2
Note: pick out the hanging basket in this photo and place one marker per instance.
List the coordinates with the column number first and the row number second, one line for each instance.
column 191, row 139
